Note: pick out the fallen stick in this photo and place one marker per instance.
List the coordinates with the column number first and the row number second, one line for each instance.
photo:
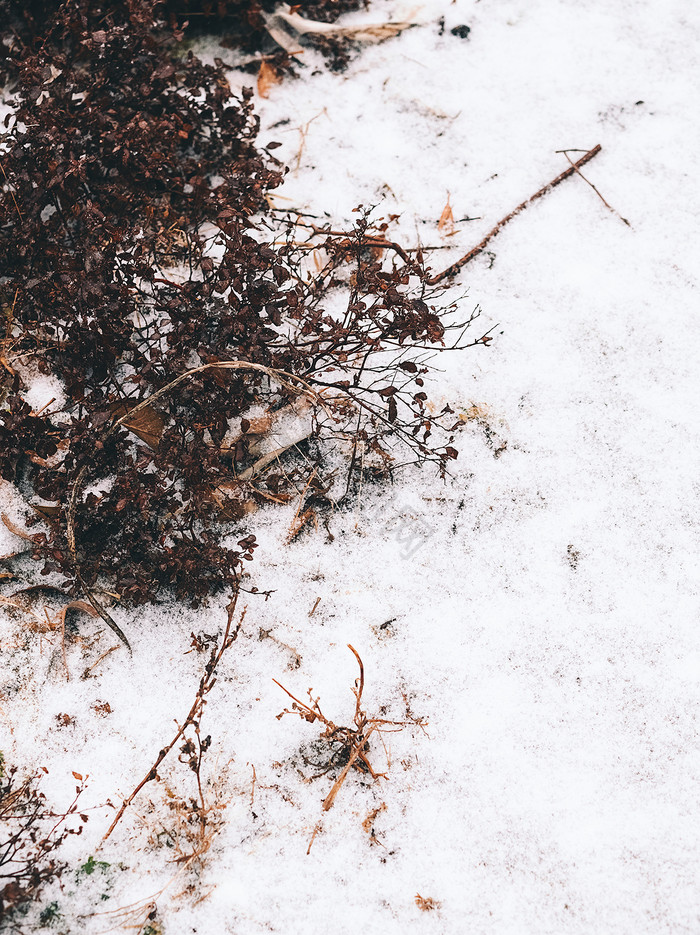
column 588, row 182
column 475, row 251
column 206, row 684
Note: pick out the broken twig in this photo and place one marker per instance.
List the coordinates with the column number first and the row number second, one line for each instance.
column 205, row 686
column 455, row 267
column 588, row 182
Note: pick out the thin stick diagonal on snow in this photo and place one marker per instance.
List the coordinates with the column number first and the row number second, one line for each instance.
column 455, row 267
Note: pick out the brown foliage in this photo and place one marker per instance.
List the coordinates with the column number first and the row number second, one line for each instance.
column 132, row 270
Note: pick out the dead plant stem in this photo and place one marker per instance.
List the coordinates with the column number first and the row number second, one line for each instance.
column 455, row 267
column 206, row 684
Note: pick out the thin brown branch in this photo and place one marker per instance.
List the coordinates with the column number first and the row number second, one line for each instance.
column 356, row 753
column 455, row 267
column 368, row 240
column 313, row 838
column 588, row 182
column 205, row 685
column 303, row 710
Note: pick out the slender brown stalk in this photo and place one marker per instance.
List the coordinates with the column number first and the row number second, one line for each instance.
column 355, row 754
column 205, row 685
column 588, row 182
column 455, row 267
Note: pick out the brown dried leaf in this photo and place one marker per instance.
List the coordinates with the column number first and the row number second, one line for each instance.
column 477, row 412
column 426, row 903
column 446, row 224
column 267, row 77
column 47, row 510
column 368, row 823
column 230, row 499
column 53, row 460
column 147, row 424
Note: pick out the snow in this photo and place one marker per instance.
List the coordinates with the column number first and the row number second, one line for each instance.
column 545, row 619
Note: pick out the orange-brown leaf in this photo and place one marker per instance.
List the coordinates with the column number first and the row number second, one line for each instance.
column 267, row 77
column 446, row 224
column 147, row 424
column 426, row 903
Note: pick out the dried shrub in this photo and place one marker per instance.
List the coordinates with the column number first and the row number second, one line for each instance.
column 30, row 839
column 134, row 268
column 238, row 23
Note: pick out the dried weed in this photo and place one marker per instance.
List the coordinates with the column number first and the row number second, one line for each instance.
column 347, row 747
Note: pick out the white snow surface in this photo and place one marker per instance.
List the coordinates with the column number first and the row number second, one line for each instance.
column 543, row 603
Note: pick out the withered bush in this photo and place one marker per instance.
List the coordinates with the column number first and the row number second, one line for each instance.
column 134, row 267
column 237, row 23
column 30, row 837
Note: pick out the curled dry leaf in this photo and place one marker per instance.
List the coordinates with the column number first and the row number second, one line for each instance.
column 49, row 511
column 147, row 424
column 267, row 77
column 446, row 224
column 426, row 903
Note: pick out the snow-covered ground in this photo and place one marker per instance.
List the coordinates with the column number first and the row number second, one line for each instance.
column 540, row 609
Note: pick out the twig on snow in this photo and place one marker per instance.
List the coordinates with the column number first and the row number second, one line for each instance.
column 205, row 686
column 455, row 267
column 588, row 182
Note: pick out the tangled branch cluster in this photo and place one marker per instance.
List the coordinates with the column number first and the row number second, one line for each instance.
column 30, row 839
column 137, row 268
